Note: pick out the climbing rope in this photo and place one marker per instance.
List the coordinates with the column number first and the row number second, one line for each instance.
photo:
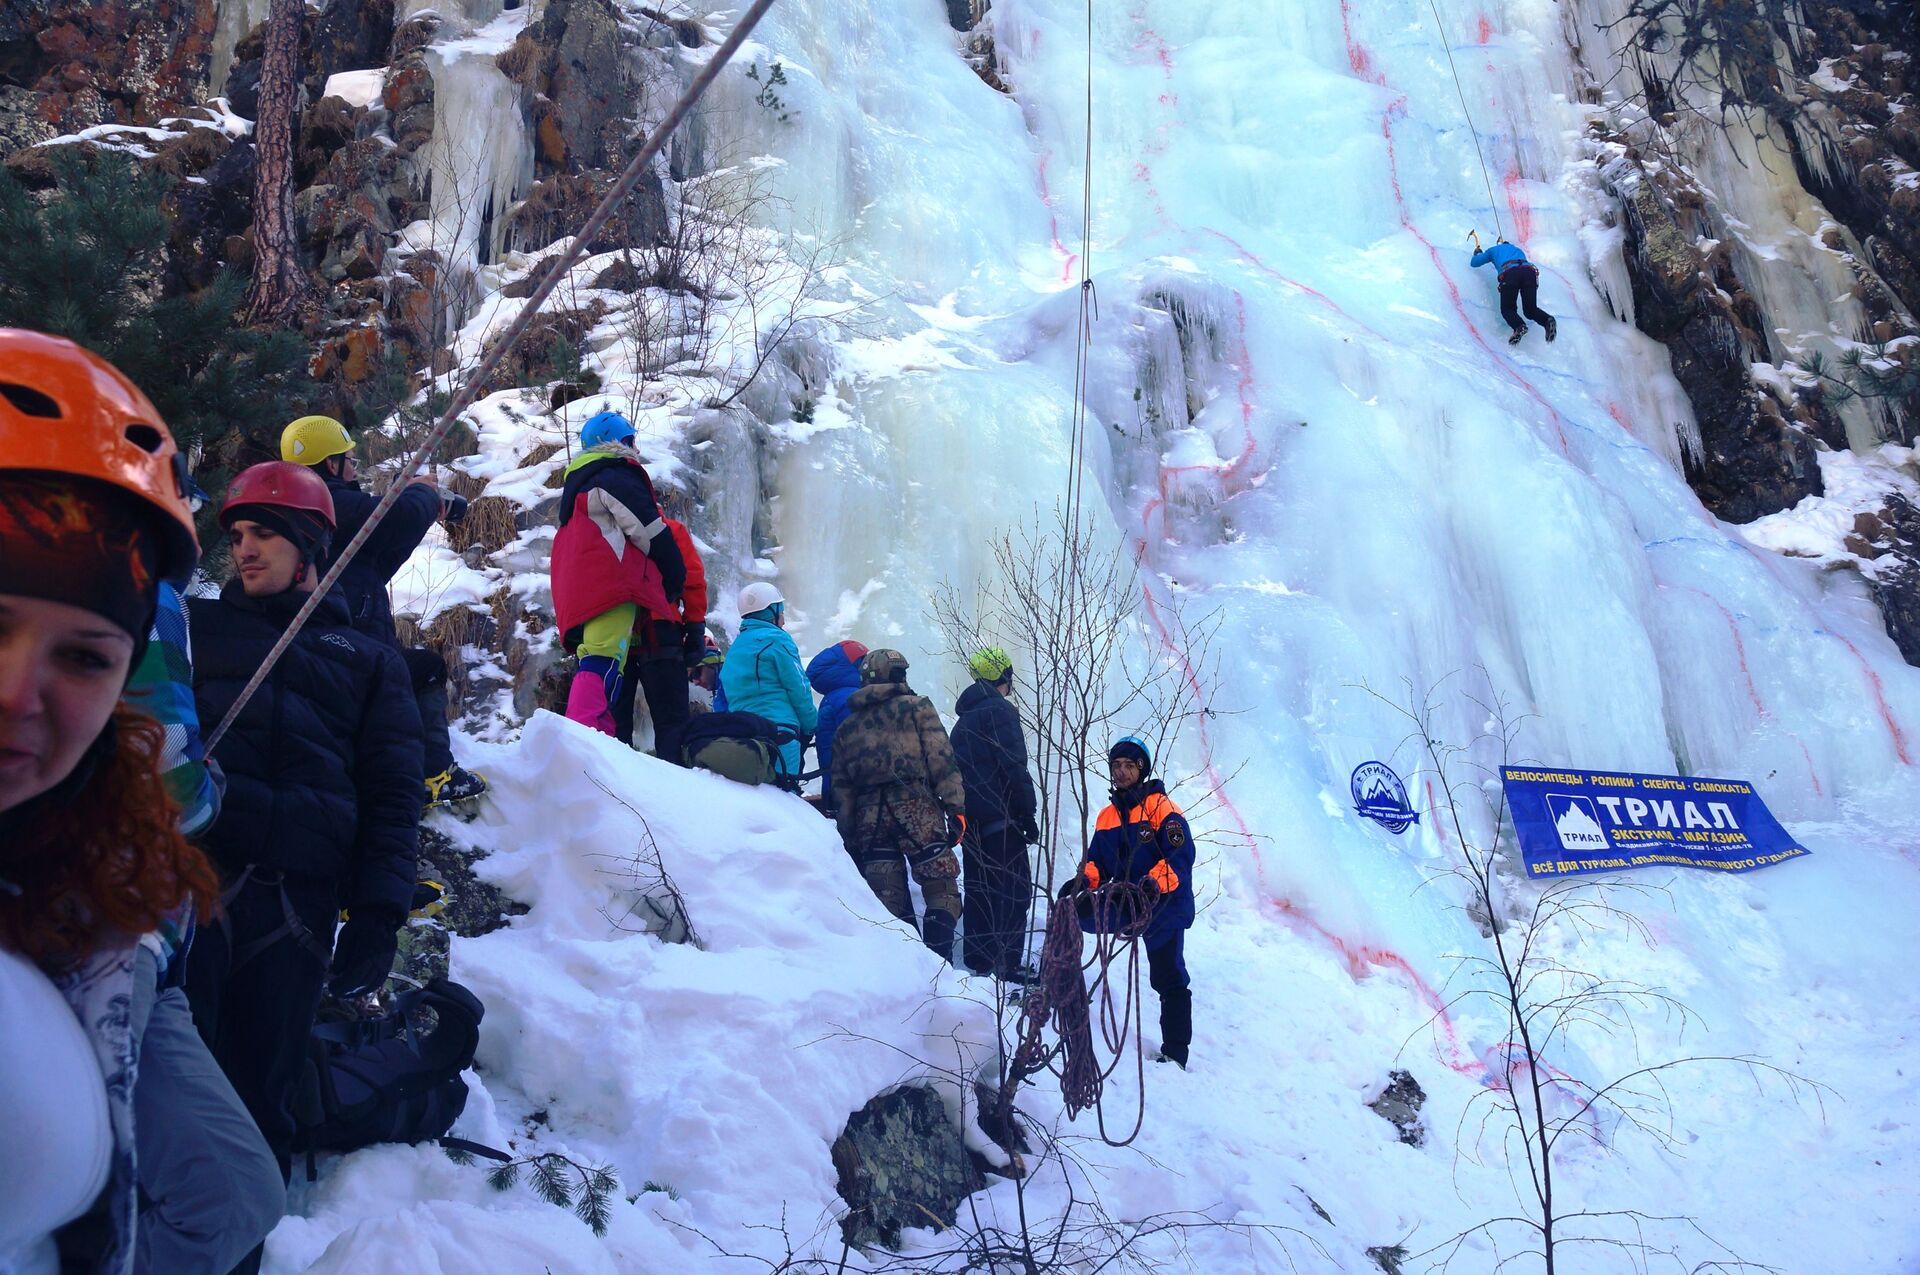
column 1064, row 995
column 1487, row 176
column 483, row 375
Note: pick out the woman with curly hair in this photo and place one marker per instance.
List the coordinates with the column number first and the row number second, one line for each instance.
column 126, row 1148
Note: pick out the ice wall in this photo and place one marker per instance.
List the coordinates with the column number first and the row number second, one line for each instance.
column 1306, row 416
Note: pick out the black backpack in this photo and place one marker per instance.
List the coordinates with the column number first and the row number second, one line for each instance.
column 745, row 747
column 381, row 1080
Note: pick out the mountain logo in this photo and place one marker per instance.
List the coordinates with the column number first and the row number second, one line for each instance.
column 1379, row 795
column 1577, row 822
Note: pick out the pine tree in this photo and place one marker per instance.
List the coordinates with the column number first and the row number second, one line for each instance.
column 85, row 260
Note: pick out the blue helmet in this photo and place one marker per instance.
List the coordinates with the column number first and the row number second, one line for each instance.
column 1136, row 748
column 605, row 427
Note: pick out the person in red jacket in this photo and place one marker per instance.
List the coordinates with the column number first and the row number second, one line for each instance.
column 664, row 648
column 613, row 561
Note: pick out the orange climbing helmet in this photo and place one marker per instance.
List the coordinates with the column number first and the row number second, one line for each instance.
column 65, row 410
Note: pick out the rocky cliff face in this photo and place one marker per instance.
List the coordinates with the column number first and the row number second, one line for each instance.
column 1701, row 114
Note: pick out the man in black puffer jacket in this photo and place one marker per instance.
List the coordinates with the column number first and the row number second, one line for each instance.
column 322, row 801
column 992, row 752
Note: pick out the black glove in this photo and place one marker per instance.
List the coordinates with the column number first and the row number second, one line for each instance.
column 363, row 954
column 956, row 828
column 452, row 507
column 1075, row 886
column 1151, row 887
column 1029, row 830
column 694, row 644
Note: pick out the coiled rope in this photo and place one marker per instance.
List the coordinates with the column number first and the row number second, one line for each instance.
column 483, row 375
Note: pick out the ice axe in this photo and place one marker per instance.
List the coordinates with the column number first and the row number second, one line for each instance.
column 1475, row 236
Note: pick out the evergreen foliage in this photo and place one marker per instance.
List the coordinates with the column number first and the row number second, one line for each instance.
column 85, row 260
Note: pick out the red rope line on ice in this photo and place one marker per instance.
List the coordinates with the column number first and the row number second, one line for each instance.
column 1753, row 690
column 1880, row 701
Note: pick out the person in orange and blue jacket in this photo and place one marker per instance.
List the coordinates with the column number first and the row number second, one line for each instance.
column 1143, row 838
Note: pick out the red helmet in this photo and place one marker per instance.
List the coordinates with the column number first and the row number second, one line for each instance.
column 66, row 410
column 279, row 484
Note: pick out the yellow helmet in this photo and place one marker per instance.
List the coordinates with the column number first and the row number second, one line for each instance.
column 312, row 439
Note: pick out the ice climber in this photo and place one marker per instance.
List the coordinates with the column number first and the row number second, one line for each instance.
column 322, row 804
column 616, row 565
column 762, row 673
column 900, row 796
column 322, row 444
column 1141, row 837
column 125, row 1148
column 991, row 750
column 835, row 675
column 663, row 650
column 1519, row 281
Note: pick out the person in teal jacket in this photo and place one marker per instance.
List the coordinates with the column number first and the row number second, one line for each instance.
column 762, row 673
column 1519, row 281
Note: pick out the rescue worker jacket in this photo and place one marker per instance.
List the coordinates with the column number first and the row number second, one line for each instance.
column 1142, row 834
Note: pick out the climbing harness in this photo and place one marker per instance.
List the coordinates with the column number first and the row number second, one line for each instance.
column 1487, row 176
column 483, row 375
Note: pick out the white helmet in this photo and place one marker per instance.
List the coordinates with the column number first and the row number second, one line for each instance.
column 758, row 596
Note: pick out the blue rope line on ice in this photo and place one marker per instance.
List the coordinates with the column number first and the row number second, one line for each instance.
column 1492, row 202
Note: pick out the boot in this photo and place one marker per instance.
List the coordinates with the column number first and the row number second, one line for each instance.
column 590, row 697
column 1553, row 329
column 1517, row 334
column 457, row 783
column 1176, row 1026
column 937, row 933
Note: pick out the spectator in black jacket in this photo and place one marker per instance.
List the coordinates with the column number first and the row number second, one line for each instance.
column 323, row 444
column 992, row 752
column 322, row 802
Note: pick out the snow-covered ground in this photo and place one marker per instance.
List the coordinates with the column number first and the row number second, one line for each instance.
column 1305, row 417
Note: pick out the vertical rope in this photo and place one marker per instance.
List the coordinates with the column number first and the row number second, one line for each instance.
column 1485, row 175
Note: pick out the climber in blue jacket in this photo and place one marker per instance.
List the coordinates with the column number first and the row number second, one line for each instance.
column 1519, row 282
column 834, row 675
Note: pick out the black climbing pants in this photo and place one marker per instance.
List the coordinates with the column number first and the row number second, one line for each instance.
column 1521, row 284
column 1167, row 975
column 999, row 887
column 254, row 980
column 428, row 671
column 663, row 679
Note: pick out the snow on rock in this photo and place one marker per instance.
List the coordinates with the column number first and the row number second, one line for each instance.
column 1856, row 483
column 436, row 579
column 356, row 88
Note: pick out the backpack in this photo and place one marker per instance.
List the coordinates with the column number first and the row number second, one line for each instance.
column 381, row 1080
column 744, row 747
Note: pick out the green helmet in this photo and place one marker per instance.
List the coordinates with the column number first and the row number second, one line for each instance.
column 882, row 666
column 990, row 664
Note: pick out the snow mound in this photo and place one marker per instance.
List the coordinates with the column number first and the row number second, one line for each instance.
column 718, row 1074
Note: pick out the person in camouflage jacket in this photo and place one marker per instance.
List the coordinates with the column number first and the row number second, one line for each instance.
column 900, row 797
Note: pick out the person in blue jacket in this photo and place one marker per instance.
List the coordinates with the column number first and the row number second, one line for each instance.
column 1143, row 838
column 762, row 672
column 835, row 675
column 1519, row 281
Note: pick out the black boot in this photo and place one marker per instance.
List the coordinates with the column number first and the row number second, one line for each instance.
column 1553, row 329
column 1176, row 1025
column 937, row 933
column 1517, row 334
